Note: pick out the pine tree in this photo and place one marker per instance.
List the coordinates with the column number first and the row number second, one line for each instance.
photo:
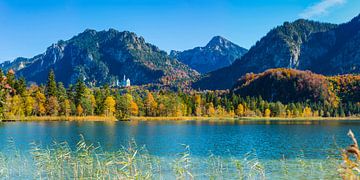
column 61, row 92
column 51, row 85
column 80, row 88
column 99, row 101
column 20, row 86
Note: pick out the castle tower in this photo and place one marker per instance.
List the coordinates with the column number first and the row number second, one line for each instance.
column 123, row 83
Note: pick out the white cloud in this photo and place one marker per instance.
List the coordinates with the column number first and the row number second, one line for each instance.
column 320, row 8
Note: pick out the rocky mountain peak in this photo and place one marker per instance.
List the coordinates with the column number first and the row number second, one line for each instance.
column 218, row 41
column 88, row 32
column 218, row 53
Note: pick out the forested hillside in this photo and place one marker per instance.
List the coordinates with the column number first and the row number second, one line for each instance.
column 291, row 86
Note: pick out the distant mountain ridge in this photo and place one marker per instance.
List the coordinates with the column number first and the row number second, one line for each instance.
column 306, row 45
column 102, row 57
column 218, row 53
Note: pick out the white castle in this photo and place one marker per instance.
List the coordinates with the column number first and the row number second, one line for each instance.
column 124, row 83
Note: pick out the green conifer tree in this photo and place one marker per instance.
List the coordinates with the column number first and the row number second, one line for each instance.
column 51, row 85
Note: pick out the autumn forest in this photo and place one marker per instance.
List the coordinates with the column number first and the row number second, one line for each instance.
column 302, row 94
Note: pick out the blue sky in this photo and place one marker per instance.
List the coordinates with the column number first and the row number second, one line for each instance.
column 28, row 27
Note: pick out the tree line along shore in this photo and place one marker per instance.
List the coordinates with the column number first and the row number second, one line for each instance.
column 54, row 101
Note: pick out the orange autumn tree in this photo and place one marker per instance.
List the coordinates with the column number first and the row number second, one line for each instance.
column 40, row 103
column 150, row 104
column 134, row 109
column 198, row 108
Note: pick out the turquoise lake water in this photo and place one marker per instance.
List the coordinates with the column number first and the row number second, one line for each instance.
column 269, row 141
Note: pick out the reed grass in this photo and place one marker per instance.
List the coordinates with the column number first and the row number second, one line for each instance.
column 89, row 161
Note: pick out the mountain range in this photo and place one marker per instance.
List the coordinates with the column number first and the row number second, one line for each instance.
column 323, row 48
column 218, row 53
column 101, row 57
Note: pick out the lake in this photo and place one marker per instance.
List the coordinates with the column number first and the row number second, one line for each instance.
column 268, row 141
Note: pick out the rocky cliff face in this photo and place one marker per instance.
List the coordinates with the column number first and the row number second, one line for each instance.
column 218, row 53
column 306, row 45
column 102, row 57
column 335, row 51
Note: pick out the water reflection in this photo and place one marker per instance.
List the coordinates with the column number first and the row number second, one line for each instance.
column 249, row 122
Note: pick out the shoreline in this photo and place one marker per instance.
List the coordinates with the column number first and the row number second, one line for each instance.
column 300, row 118
column 243, row 118
column 62, row 118
column 180, row 118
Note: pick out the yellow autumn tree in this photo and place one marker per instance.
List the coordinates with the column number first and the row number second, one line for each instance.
column 289, row 114
column 240, row 110
column 67, row 107
column 109, row 106
column 79, row 110
column 307, row 112
column 220, row 111
column 211, row 112
column 178, row 110
column 29, row 105
column 16, row 106
column 267, row 113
